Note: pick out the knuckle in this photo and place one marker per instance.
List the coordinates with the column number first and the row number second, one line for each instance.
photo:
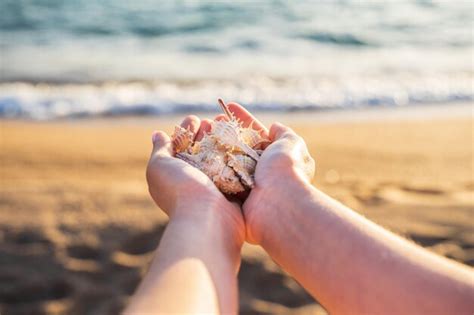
column 284, row 159
column 192, row 117
column 299, row 140
column 290, row 135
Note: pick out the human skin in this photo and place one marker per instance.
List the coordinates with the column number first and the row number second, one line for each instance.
column 195, row 267
column 350, row 264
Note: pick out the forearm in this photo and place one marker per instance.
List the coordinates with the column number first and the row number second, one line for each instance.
column 194, row 269
column 353, row 265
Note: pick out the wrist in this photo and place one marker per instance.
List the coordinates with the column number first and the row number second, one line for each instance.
column 214, row 217
column 272, row 206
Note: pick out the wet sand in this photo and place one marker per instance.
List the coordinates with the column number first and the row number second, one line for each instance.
column 77, row 227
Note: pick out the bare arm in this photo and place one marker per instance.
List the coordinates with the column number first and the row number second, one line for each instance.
column 195, row 267
column 350, row 264
column 354, row 266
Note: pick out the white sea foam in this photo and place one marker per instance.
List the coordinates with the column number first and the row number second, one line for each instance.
column 63, row 59
column 43, row 101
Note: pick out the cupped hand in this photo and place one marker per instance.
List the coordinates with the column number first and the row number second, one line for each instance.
column 283, row 170
column 180, row 189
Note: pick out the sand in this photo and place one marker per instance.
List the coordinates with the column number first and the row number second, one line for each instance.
column 77, row 227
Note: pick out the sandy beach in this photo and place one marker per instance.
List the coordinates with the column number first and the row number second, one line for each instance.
column 77, row 227
column 383, row 99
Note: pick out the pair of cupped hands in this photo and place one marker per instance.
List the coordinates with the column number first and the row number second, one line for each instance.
column 181, row 190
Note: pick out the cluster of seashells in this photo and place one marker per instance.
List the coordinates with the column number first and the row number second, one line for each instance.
column 228, row 154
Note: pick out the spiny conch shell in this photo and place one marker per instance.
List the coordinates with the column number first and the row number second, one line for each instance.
column 206, row 144
column 214, row 165
column 229, row 133
column 252, row 137
column 228, row 154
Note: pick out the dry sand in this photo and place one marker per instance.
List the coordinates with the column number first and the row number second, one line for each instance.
column 77, row 227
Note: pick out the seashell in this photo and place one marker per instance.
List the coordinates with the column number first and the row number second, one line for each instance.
column 206, row 144
column 228, row 182
column 194, row 160
column 213, row 163
column 244, row 166
column 182, row 139
column 252, row 137
column 228, row 154
column 227, row 133
column 231, row 135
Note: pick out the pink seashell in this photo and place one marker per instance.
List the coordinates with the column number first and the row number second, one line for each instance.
column 182, row 139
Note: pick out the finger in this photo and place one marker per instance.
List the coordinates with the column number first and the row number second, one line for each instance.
column 192, row 123
column 246, row 118
column 206, row 126
column 278, row 130
column 161, row 144
column 220, row 117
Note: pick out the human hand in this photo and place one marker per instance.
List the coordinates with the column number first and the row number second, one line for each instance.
column 183, row 191
column 283, row 173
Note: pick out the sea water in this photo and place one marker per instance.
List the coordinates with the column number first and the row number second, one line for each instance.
column 89, row 57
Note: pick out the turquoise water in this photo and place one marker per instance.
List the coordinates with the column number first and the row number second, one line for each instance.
column 81, row 58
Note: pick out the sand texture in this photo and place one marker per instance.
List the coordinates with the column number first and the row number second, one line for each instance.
column 77, row 227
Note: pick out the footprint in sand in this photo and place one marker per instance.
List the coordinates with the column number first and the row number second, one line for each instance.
column 427, row 196
column 25, row 238
column 19, row 289
column 82, row 258
column 138, row 249
column 143, row 242
column 255, row 279
column 26, row 242
column 82, row 251
column 418, row 195
column 30, row 276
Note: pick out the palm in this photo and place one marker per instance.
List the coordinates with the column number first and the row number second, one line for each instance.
column 176, row 178
column 285, row 160
column 174, row 182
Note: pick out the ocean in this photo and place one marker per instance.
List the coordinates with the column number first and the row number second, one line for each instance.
column 82, row 58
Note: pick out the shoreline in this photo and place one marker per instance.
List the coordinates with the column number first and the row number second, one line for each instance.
column 418, row 112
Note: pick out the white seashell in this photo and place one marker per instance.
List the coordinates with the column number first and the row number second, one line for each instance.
column 227, row 133
column 207, row 143
column 252, row 137
column 213, row 163
column 228, row 182
column 194, row 160
column 244, row 166
column 228, row 154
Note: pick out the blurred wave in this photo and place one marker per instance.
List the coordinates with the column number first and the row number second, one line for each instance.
column 89, row 57
column 45, row 101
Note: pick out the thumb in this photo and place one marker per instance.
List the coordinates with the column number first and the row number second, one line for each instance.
column 161, row 144
column 278, row 130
